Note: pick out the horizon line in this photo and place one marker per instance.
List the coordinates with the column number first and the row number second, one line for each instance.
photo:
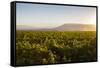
column 60, row 25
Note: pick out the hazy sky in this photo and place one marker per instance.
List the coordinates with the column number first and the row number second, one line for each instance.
column 40, row 15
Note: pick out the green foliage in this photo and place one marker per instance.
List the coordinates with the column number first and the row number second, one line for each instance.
column 49, row 47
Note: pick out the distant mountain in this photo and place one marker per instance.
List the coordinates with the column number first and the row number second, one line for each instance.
column 76, row 27
column 65, row 27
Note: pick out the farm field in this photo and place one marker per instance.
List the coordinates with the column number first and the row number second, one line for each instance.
column 50, row 47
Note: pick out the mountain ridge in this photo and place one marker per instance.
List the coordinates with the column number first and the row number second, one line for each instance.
column 78, row 27
column 65, row 27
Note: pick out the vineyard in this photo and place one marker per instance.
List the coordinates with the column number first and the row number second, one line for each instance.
column 50, row 47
